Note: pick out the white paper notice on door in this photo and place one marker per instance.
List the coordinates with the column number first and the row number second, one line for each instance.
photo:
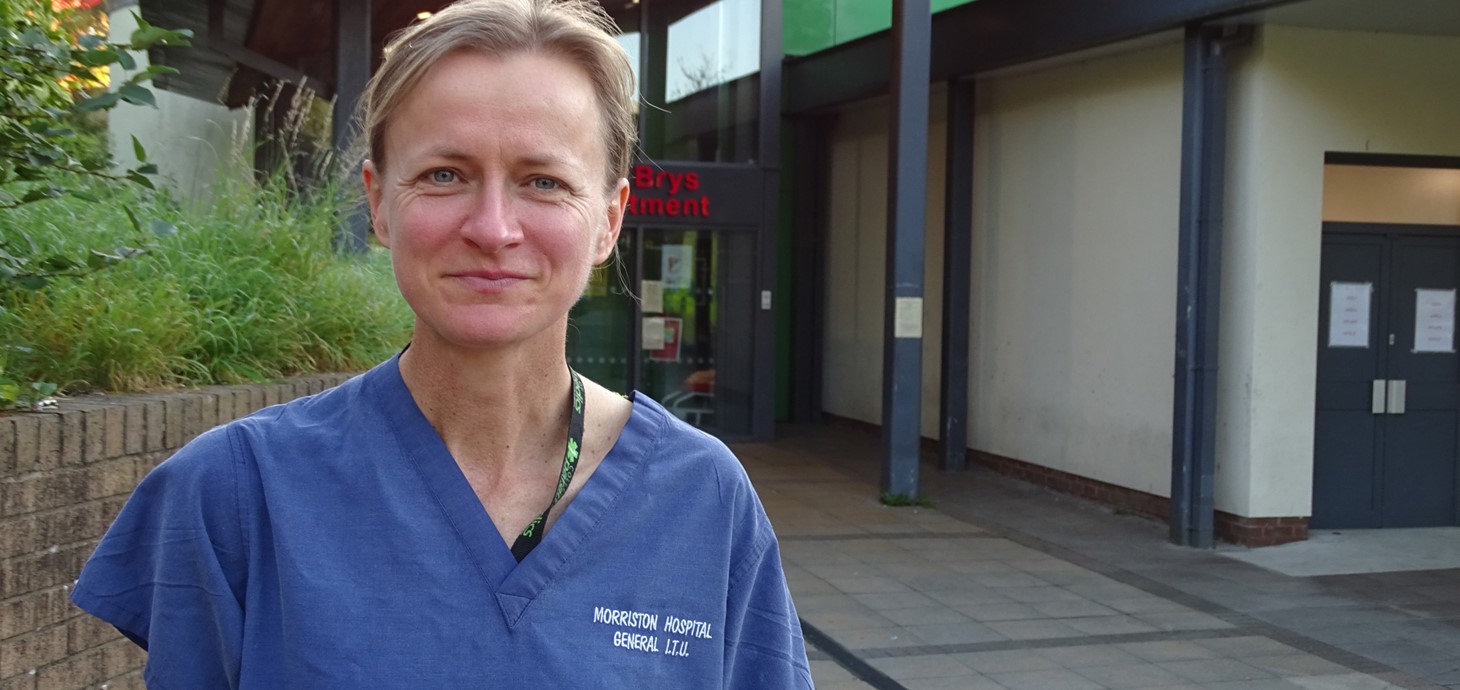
column 651, row 296
column 1434, row 320
column 653, row 333
column 1348, row 314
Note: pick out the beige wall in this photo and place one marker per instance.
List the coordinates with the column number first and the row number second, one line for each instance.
column 1076, row 202
column 193, row 143
column 1367, row 194
column 857, row 266
column 1296, row 94
column 1076, row 209
column 1075, row 205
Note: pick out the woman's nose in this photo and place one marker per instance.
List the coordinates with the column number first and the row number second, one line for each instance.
column 492, row 224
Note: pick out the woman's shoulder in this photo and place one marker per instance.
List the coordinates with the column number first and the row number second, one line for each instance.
column 680, row 452
column 673, row 437
column 300, row 423
column 310, row 411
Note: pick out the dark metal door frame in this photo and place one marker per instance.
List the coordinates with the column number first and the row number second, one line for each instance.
column 1385, row 237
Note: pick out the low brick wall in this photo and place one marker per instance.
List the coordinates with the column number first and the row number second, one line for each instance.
column 64, row 475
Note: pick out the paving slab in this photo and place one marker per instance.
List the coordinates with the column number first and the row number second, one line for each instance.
column 1339, row 552
column 1006, row 586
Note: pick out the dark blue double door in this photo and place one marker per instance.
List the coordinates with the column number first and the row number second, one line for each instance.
column 1387, row 429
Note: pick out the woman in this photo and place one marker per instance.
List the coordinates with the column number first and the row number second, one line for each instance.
column 470, row 513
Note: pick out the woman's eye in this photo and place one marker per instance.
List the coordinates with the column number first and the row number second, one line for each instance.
column 545, row 184
column 443, row 176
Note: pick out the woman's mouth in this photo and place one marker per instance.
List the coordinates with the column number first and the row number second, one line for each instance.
column 488, row 281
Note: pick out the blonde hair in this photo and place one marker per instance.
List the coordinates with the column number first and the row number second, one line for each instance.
column 576, row 30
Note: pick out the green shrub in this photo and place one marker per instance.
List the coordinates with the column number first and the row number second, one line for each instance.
column 51, row 86
column 247, row 288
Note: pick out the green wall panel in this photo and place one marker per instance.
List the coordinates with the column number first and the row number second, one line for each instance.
column 858, row 18
column 814, row 25
column 807, row 26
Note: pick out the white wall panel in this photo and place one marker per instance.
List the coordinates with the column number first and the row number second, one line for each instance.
column 1075, row 266
column 857, row 266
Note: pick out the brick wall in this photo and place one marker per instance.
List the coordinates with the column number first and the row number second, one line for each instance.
column 1270, row 531
column 64, row 475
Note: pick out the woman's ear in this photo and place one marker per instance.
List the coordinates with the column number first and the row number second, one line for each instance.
column 373, row 194
column 618, row 202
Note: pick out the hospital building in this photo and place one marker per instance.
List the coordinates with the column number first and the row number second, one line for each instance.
column 1197, row 258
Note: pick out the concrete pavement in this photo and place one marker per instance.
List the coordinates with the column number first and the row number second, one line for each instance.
column 1007, row 586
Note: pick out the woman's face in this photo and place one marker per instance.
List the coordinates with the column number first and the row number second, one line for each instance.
column 492, row 198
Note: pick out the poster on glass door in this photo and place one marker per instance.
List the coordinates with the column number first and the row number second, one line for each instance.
column 668, row 350
column 676, row 266
column 1434, row 320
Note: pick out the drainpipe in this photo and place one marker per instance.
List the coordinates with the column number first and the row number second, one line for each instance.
column 1198, row 299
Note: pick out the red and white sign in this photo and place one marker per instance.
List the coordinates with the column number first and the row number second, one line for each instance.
column 670, row 351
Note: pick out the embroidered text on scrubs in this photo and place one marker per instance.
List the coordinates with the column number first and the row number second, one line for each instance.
column 684, row 626
column 643, row 643
column 673, row 647
column 628, row 619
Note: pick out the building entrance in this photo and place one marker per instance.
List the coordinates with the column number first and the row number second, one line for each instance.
column 1388, row 398
column 674, row 318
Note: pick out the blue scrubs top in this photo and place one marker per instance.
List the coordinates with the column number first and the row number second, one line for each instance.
column 333, row 542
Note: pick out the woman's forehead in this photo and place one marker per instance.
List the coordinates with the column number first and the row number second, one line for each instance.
column 468, row 98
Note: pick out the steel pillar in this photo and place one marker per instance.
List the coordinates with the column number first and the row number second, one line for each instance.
column 957, row 272
column 903, row 312
column 763, row 421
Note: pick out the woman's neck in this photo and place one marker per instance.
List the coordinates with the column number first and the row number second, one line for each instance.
column 502, row 410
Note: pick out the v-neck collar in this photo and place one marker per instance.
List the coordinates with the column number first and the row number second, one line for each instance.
column 515, row 584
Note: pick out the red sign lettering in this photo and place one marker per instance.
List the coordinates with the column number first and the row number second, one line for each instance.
column 649, row 180
column 651, row 206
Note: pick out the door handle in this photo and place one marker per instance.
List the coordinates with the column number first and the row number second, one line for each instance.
column 1394, row 402
column 1377, row 400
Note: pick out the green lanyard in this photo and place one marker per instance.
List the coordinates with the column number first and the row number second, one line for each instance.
column 531, row 536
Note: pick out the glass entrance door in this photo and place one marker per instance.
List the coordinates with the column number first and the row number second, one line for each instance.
column 600, row 324
column 685, row 337
column 695, row 353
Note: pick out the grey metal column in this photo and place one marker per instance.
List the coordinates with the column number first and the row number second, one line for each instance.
column 809, row 258
column 1198, row 277
column 957, row 271
column 902, row 338
column 653, row 59
column 352, row 73
column 763, row 403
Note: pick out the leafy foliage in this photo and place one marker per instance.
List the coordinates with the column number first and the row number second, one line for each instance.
column 52, row 86
column 247, row 287
column 50, row 77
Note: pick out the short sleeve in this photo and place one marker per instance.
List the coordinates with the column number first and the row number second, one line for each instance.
column 763, row 643
column 170, row 572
